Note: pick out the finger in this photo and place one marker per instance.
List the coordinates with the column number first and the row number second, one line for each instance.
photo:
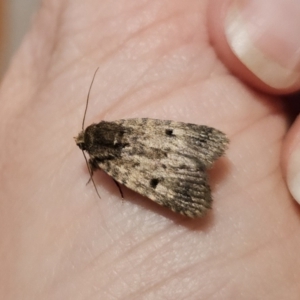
column 291, row 160
column 259, row 41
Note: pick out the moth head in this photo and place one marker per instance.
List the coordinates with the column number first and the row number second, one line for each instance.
column 80, row 140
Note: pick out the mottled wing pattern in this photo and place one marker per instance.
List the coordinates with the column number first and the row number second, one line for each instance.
column 166, row 161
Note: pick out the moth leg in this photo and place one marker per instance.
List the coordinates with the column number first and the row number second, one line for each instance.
column 119, row 187
column 92, row 165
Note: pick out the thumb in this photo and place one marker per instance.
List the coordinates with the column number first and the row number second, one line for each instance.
column 259, row 41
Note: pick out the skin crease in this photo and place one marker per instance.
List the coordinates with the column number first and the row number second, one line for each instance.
column 156, row 60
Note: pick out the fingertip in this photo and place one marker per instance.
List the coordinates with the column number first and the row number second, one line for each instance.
column 257, row 40
column 291, row 160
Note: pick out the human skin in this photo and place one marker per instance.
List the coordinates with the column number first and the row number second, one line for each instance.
column 58, row 240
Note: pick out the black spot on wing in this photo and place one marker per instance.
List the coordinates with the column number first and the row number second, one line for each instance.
column 154, row 182
column 169, row 132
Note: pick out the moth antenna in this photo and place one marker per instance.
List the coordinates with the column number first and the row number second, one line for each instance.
column 88, row 98
column 91, row 175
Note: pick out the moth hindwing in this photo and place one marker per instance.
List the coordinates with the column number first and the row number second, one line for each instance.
column 165, row 161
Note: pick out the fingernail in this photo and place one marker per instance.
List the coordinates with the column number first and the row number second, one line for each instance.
column 293, row 175
column 264, row 35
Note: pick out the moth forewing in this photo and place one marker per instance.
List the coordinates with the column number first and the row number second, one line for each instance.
column 163, row 160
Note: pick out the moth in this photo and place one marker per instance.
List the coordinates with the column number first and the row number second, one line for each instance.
column 163, row 160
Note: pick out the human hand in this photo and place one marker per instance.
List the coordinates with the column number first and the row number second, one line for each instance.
column 156, row 60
